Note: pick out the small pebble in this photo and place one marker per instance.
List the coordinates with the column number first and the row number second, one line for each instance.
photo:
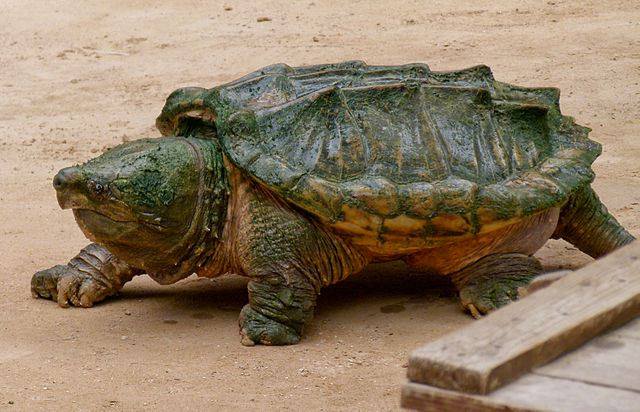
column 264, row 18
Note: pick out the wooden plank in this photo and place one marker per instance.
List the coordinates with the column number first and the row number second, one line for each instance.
column 419, row 397
column 609, row 360
column 513, row 340
column 529, row 393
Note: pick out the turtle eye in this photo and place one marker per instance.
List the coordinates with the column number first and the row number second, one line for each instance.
column 95, row 187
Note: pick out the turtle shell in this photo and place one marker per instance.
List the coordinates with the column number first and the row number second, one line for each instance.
column 396, row 152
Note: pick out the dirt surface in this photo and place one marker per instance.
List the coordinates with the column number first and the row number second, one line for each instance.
column 75, row 79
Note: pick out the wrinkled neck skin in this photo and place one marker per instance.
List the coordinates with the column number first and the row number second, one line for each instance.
column 222, row 254
column 224, row 258
column 204, row 240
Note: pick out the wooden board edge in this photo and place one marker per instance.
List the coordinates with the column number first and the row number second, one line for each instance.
column 483, row 382
column 419, row 397
column 561, row 344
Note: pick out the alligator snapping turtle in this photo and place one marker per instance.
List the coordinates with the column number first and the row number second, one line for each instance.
column 299, row 177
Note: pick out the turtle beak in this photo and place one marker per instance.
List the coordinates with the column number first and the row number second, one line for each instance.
column 68, row 183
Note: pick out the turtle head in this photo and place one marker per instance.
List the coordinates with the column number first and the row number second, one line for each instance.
column 154, row 203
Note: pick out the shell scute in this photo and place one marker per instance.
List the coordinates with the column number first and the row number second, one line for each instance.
column 313, row 193
column 377, row 195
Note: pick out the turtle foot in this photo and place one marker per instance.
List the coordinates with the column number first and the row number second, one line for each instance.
column 68, row 286
column 489, row 293
column 494, row 281
column 255, row 328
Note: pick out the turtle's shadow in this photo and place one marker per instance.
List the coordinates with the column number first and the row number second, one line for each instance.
column 391, row 282
column 387, row 281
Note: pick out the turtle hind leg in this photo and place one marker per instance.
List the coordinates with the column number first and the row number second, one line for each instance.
column 494, row 281
column 587, row 224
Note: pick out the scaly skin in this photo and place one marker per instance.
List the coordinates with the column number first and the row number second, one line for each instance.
column 586, row 223
column 90, row 277
column 289, row 258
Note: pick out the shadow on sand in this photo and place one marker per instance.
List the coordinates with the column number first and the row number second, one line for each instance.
column 379, row 282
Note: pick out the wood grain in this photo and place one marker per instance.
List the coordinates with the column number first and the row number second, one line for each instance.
column 611, row 360
column 510, row 342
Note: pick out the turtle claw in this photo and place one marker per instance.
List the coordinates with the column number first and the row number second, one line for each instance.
column 474, row 311
column 486, row 293
column 245, row 340
column 255, row 328
column 44, row 284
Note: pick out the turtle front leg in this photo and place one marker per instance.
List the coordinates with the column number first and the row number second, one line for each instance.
column 277, row 312
column 289, row 259
column 494, row 281
column 91, row 276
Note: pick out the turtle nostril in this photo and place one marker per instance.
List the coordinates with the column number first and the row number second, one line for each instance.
column 57, row 181
column 65, row 177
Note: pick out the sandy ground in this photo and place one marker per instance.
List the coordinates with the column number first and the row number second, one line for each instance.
column 75, row 79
